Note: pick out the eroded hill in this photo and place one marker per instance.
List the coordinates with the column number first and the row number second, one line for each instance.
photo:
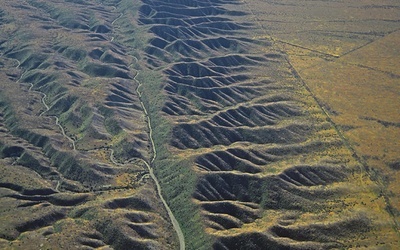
column 97, row 94
column 74, row 136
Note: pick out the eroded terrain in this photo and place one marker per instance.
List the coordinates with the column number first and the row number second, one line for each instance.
column 75, row 144
column 242, row 109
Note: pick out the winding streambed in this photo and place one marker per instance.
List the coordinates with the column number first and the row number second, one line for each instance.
column 44, row 96
column 174, row 222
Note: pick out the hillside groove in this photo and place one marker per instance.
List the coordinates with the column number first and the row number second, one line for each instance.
column 249, row 130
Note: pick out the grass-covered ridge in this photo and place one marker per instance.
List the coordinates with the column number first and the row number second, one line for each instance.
column 246, row 145
column 72, row 123
column 151, row 89
column 98, row 95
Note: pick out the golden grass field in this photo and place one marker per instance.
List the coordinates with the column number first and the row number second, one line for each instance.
column 348, row 55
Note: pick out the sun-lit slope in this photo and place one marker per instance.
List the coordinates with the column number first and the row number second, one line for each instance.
column 67, row 63
column 347, row 53
column 73, row 133
column 206, row 93
column 250, row 155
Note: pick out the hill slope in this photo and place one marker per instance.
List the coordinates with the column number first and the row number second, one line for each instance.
column 215, row 97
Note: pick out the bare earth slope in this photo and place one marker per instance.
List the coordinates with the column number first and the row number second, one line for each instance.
column 251, row 114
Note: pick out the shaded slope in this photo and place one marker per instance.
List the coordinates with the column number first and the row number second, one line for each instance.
column 247, row 139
